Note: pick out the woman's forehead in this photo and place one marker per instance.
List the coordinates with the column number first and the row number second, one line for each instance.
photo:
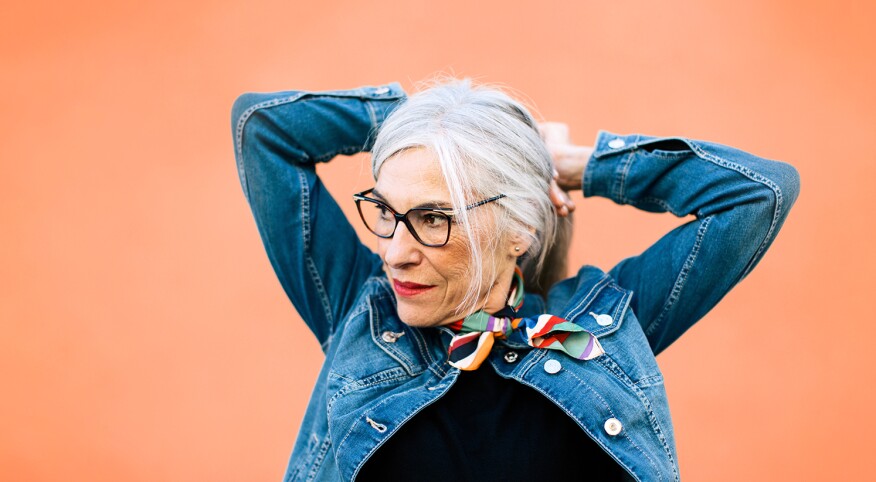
column 412, row 178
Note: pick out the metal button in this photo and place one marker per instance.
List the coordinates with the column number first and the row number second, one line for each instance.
column 391, row 336
column 613, row 426
column 552, row 366
column 511, row 356
column 381, row 90
column 616, row 143
column 602, row 320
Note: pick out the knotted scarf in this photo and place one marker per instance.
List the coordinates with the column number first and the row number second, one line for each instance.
column 477, row 332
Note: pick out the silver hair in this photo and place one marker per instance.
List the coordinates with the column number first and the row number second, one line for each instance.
column 487, row 144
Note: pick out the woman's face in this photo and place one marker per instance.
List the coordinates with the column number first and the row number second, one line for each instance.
column 430, row 283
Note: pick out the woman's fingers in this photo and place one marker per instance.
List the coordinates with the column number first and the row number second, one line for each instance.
column 554, row 132
column 562, row 202
column 570, row 162
column 569, row 159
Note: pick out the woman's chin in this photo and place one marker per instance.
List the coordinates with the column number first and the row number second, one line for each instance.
column 412, row 316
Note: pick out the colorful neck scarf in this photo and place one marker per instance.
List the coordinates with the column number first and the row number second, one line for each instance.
column 477, row 332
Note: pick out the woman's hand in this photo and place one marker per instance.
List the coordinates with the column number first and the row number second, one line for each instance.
column 569, row 164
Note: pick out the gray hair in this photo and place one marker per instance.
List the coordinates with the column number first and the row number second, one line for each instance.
column 487, row 144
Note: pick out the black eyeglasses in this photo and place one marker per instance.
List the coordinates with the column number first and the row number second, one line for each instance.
column 429, row 226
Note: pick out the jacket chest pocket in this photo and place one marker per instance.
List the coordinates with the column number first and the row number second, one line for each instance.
column 605, row 312
column 376, row 351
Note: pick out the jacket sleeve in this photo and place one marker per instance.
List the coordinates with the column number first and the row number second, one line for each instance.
column 739, row 201
column 311, row 245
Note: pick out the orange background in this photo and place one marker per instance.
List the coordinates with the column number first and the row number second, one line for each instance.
column 145, row 337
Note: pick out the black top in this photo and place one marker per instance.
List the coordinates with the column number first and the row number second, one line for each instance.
column 490, row 428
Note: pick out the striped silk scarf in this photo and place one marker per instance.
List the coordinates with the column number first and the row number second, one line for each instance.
column 476, row 333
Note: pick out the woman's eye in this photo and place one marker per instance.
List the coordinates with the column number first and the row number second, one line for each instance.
column 383, row 212
column 434, row 220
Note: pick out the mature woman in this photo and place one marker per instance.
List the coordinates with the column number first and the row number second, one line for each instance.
column 456, row 352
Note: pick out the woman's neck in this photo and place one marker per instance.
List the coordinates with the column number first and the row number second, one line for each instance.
column 497, row 297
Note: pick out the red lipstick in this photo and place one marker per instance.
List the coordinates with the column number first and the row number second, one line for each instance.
column 407, row 289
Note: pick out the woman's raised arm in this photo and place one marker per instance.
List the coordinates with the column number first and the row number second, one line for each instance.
column 740, row 202
column 314, row 250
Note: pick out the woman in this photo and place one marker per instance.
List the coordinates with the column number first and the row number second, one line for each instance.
column 454, row 352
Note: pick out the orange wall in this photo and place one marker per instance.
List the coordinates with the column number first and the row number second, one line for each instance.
column 144, row 336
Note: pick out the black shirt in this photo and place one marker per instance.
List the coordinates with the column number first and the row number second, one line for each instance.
column 491, row 428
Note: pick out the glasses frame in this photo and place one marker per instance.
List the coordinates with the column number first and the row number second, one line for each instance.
column 403, row 218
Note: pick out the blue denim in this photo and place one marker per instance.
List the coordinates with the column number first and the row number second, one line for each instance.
column 379, row 372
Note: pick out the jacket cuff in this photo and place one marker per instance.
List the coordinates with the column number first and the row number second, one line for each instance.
column 382, row 100
column 603, row 172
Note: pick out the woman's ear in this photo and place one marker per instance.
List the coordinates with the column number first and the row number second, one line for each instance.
column 518, row 245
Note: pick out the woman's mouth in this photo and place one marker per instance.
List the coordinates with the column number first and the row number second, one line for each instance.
column 407, row 289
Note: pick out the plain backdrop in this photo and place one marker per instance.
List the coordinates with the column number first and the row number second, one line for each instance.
column 145, row 336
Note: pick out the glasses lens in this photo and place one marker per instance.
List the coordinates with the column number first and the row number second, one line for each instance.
column 432, row 227
column 378, row 218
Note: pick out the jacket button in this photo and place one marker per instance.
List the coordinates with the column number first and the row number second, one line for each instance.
column 616, row 143
column 602, row 320
column 511, row 356
column 552, row 366
column 613, row 426
column 381, row 90
column 390, row 336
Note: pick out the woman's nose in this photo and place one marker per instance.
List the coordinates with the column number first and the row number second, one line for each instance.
column 402, row 249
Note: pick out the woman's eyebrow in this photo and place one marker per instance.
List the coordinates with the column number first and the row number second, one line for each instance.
column 444, row 205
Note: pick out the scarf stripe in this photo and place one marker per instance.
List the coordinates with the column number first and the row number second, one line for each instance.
column 477, row 332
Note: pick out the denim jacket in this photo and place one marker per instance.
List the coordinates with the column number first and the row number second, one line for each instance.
column 378, row 372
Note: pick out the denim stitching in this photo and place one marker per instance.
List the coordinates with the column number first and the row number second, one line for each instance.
column 359, row 307
column 675, row 294
column 652, row 417
column 241, row 124
column 308, row 453
column 609, row 364
column 396, row 354
column 670, row 155
column 650, row 381
column 757, row 177
column 620, row 309
column 412, row 367
column 612, row 366
column 378, row 379
column 346, row 150
column 584, row 427
column 588, row 298
column 311, row 265
column 320, row 456
column 371, row 114
column 394, row 429
column 416, row 334
column 526, row 365
column 617, row 309
column 437, row 367
column 619, row 186
column 655, row 425
column 353, row 387
column 660, row 202
column 338, row 376
column 247, row 114
column 372, row 134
